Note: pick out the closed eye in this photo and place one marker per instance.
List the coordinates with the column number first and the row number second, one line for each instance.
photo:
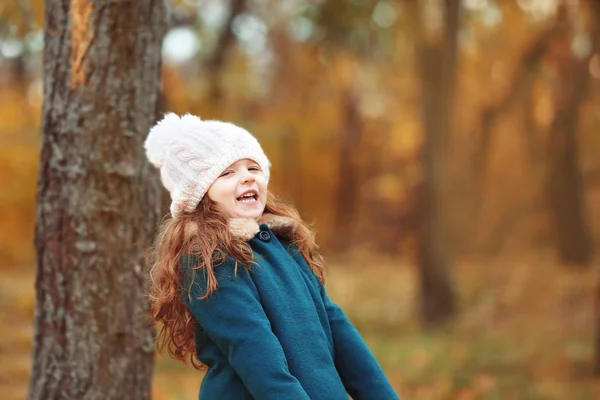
column 254, row 168
column 227, row 172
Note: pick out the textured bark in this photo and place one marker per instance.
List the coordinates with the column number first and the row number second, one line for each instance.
column 97, row 201
column 437, row 66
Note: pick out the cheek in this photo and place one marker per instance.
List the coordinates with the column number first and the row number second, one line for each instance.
column 219, row 193
column 211, row 194
column 262, row 185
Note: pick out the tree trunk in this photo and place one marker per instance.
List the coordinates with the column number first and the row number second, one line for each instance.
column 437, row 64
column 97, row 200
column 349, row 186
column 565, row 182
column 565, row 187
column 595, row 9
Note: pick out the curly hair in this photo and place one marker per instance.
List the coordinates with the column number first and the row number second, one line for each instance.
column 205, row 231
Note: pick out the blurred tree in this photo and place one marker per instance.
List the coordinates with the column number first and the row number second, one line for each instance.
column 565, row 187
column 20, row 17
column 436, row 60
column 224, row 43
column 349, row 184
column 528, row 68
column 594, row 7
column 347, row 193
column 526, row 71
column 349, row 39
column 97, row 201
column 17, row 21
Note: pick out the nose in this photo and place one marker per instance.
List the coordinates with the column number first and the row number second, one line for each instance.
column 247, row 177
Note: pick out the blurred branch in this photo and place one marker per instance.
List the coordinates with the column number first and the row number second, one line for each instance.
column 520, row 86
column 179, row 19
column 224, row 43
column 532, row 141
column 592, row 178
column 25, row 9
column 507, row 224
column 595, row 10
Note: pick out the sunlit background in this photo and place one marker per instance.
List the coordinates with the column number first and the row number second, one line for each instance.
column 355, row 103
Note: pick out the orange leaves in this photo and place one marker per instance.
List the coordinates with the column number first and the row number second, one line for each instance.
column 18, row 173
column 24, row 16
column 19, row 121
column 344, row 70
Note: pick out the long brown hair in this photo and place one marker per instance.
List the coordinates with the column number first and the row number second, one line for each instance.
column 205, row 231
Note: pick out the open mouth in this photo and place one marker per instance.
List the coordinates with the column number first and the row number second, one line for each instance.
column 248, row 197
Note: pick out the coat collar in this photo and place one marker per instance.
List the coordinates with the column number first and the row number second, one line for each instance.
column 246, row 228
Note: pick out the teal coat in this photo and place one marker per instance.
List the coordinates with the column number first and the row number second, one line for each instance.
column 273, row 333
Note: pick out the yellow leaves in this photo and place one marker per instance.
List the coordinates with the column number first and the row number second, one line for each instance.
column 594, row 66
column 16, row 329
column 174, row 383
column 24, row 16
column 406, row 137
column 37, row 9
column 344, row 69
column 420, row 358
column 543, row 111
column 483, row 384
column 81, row 39
column 18, row 174
column 528, row 353
column 391, row 188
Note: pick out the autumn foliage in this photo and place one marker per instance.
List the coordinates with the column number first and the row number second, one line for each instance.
column 334, row 94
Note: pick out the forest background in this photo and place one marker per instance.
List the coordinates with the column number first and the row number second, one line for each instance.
column 446, row 154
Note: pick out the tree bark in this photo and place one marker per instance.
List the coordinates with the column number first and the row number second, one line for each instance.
column 97, row 200
column 437, row 66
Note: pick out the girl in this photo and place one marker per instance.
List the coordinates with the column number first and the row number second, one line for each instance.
column 236, row 281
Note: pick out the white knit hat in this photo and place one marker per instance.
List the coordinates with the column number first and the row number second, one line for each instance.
column 191, row 154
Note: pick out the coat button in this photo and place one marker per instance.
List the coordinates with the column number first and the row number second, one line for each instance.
column 264, row 236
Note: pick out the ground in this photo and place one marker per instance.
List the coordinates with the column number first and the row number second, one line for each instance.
column 524, row 331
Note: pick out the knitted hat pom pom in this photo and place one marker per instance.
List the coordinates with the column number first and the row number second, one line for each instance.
column 160, row 138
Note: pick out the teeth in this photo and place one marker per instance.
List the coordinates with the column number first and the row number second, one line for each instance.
column 248, row 197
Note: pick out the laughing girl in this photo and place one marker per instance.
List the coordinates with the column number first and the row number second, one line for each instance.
column 236, row 280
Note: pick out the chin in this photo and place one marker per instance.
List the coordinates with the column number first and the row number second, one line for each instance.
column 252, row 215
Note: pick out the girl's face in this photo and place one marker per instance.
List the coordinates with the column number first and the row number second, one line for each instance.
column 241, row 189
